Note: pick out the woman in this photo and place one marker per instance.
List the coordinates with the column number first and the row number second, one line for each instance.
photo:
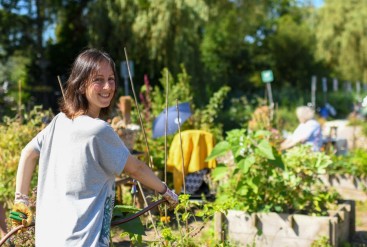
column 79, row 157
column 307, row 132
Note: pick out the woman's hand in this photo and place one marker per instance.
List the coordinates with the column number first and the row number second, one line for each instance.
column 171, row 198
column 21, row 214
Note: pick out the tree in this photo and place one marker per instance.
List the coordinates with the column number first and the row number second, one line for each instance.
column 292, row 49
column 225, row 50
column 157, row 34
column 341, row 33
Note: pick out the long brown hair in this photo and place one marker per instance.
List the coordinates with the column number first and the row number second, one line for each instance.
column 87, row 63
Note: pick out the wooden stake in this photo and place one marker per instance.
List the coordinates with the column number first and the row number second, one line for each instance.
column 62, row 89
column 165, row 141
column 20, row 99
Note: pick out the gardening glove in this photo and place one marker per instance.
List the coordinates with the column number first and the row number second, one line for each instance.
column 171, row 198
column 21, row 213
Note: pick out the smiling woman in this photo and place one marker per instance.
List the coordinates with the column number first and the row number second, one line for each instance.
column 91, row 85
column 79, row 157
column 100, row 89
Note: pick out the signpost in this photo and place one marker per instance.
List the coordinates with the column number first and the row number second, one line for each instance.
column 267, row 77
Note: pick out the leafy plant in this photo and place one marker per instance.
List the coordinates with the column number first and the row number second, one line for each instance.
column 354, row 163
column 153, row 101
column 205, row 118
column 321, row 242
column 134, row 228
column 15, row 134
column 263, row 180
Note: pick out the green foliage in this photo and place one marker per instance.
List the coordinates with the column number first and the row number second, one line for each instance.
column 321, row 242
column 205, row 119
column 134, row 228
column 154, row 102
column 172, row 35
column 13, row 72
column 179, row 90
column 354, row 163
column 185, row 234
column 262, row 180
column 285, row 119
column 237, row 113
column 340, row 32
column 291, row 41
column 342, row 102
column 15, row 134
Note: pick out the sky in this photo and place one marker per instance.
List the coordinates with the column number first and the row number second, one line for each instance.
column 318, row 3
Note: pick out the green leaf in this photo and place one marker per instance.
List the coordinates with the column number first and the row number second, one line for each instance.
column 245, row 164
column 277, row 161
column 278, row 209
column 121, row 210
column 219, row 172
column 252, row 185
column 264, row 149
column 134, row 226
column 219, row 150
column 242, row 189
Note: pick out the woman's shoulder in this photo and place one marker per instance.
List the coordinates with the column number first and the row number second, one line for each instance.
column 86, row 125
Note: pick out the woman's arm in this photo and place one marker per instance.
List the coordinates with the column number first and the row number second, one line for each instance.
column 141, row 172
column 27, row 164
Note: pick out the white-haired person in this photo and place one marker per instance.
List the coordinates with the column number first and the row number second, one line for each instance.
column 307, row 132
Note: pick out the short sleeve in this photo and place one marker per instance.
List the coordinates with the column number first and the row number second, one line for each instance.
column 38, row 141
column 112, row 153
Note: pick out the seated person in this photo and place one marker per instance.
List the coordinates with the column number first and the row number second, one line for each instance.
column 307, row 132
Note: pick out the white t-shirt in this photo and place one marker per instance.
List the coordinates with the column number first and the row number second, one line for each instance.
column 79, row 160
column 310, row 133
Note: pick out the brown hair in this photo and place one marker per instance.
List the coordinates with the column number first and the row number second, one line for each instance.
column 87, row 63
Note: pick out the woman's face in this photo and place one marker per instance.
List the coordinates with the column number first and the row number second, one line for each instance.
column 100, row 89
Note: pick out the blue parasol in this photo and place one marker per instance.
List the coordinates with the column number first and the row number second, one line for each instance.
column 173, row 121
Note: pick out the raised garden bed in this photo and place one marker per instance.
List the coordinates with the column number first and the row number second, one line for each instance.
column 349, row 187
column 272, row 229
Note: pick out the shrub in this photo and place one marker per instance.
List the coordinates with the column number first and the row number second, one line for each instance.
column 263, row 180
column 15, row 134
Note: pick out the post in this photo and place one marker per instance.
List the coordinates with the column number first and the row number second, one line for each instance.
column 125, row 108
column 267, row 77
column 125, row 74
column 271, row 102
column 324, row 89
column 313, row 91
column 218, row 222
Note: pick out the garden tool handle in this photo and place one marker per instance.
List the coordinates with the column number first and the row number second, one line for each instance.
column 12, row 232
column 143, row 211
column 113, row 223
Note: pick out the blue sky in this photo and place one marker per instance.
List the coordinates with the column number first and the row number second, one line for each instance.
column 318, row 3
